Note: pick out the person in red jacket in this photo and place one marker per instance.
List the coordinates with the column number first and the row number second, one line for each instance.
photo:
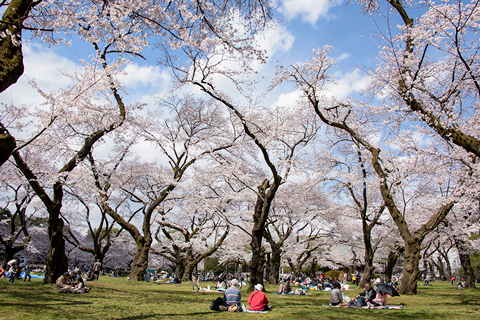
column 258, row 300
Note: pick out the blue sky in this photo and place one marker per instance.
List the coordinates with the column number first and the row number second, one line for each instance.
column 306, row 25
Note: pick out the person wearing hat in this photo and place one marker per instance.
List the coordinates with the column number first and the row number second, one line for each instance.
column 258, row 300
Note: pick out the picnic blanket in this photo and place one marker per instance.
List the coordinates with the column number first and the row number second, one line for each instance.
column 209, row 291
column 395, row 307
column 390, row 307
column 292, row 294
column 250, row 311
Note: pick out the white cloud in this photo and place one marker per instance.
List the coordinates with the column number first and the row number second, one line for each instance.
column 346, row 84
column 288, row 99
column 308, row 10
column 42, row 65
column 276, row 39
column 136, row 75
column 343, row 56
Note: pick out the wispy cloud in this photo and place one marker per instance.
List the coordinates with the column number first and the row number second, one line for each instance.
column 308, row 10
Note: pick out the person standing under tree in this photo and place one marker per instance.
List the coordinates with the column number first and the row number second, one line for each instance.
column 97, row 266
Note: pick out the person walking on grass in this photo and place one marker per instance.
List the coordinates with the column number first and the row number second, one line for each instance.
column 26, row 272
column 12, row 270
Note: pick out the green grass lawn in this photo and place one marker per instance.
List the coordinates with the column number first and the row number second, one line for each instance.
column 116, row 298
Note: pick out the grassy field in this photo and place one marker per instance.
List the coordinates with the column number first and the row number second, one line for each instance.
column 116, row 298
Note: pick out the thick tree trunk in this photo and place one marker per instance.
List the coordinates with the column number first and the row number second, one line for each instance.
column 8, row 254
column 180, row 269
column 188, row 271
column 258, row 259
column 258, row 251
column 369, row 268
column 275, row 261
column 11, row 57
column 57, row 261
column 140, row 263
column 463, row 253
column 410, row 268
column 7, row 144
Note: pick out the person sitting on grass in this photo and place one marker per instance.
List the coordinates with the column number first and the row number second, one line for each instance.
column 369, row 294
column 336, row 295
column 232, row 297
column 380, row 299
column 63, row 284
column 176, row 280
column 258, row 300
column 220, row 285
column 288, row 288
column 281, row 289
column 89, row 276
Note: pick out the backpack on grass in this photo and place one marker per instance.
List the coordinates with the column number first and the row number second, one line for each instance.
column 216, row 303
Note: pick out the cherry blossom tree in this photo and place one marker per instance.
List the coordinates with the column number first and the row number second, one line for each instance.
column 189, row 240
column 429, row 66
column 16, row 198
column 311, row 78
column 194, row 129
column 294, row 209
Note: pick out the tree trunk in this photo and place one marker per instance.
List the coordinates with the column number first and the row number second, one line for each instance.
column 258, row 251
column 369, row 268
column 11, row 57
column 140, row 263
column 258, row 260
column 57, row 261
column 180, row 269
column 188, row 271
column 313, row 265
column 9, row 254
column 7, row 144
column 463, row 253
column 267, row 265
column 295, row 269
column 410, row 268
column 431, row 267
column 275, row 262
column 441, row 269
column 392, row 260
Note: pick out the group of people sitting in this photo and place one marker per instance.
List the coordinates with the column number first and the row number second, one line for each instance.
column 73, row 283
column 232, row 299
column 370, row 297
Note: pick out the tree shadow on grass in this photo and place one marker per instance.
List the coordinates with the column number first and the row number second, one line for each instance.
column 164, row 315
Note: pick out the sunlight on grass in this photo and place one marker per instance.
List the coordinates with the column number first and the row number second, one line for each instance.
column 116, row 298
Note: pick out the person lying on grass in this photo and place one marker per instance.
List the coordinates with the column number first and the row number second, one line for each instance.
column 258, row 300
